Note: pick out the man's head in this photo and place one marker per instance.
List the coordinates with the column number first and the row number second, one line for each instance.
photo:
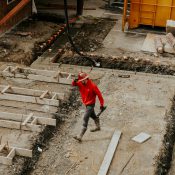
column 83, row 77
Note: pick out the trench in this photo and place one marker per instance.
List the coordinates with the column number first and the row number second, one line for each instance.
column 164, row 159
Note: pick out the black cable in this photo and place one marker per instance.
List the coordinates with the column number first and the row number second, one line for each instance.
column 70, row 38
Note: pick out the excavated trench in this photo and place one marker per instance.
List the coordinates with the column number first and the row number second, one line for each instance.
column 164, row 159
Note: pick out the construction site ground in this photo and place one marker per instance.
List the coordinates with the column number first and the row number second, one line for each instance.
column 141, row 101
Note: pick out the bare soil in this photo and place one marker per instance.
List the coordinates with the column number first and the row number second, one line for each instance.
column 21, row 45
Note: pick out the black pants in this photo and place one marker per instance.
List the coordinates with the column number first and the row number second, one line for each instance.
column 89, row 113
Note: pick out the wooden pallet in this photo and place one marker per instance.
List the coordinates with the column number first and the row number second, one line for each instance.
column 24, row 122
column 30, row 95
column 11, row 153
column 38, row 75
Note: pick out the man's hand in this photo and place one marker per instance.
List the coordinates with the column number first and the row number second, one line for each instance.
column 102, row 108
column 76, row 80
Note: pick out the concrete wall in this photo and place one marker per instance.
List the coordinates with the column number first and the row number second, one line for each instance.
column 6, row 8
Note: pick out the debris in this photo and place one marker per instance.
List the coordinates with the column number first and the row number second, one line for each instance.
column 171, row 40
column 142, row 137
column 158, row 44
column 23, row 34
column 124, row 76
column 40, row 150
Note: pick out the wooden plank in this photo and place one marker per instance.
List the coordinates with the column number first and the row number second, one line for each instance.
column 35, row 121
column 30, row 92
column 44, row 94
column 46, row 121
column 5, row 89
column 2, row 147
column 11, row 153
column 17, row 125
column 39, row 75
column 30, row 127
column 23, row 152
column 9, row 124
column 29, row 99
column 21, row 118
column 5, row 160
column 65, row 81
column 29, row 106
column 42, row 78
column 110, row 153
column 27, row 119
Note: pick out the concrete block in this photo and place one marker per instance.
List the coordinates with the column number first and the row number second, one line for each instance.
column 170, row 27
column 142, row 137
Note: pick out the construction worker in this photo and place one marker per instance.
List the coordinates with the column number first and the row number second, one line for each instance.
column 88, row 91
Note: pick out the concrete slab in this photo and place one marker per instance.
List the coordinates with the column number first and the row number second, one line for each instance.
column 126, row 41
column 149, row 46
column 142, row 137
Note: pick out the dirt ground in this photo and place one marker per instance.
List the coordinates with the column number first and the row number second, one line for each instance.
column 137, row 104
column 20, row 45
column 140, row 103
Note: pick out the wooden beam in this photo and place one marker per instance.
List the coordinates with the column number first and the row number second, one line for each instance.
column 17, row 125
column 23, row 152
column 22, row 117
column 29, row 106
column 27, row 119
column 36, row 74
column 29, row 99
column 7, row 160
column 30, row 92
column 44, row 94
column 110, row 153
column 11, row 153
column 5, row 89
column 2, row 147
column 13, row 121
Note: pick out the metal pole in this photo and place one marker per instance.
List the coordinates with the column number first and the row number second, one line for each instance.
column 80, row 4
column 124, row 14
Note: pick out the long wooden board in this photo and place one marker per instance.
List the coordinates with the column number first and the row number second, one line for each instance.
column 21, row 122
column 38, row 75
column 22, row 117
column 29, row 106
column 110, row 153
column 29, row 99
column 30, row 92
column 7, row 160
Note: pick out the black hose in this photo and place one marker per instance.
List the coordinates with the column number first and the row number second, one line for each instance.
column 70, row 38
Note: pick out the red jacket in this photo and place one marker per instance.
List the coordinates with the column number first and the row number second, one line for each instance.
column 89, row 92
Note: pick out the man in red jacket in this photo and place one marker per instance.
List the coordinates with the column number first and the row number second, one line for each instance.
column 88, row 91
